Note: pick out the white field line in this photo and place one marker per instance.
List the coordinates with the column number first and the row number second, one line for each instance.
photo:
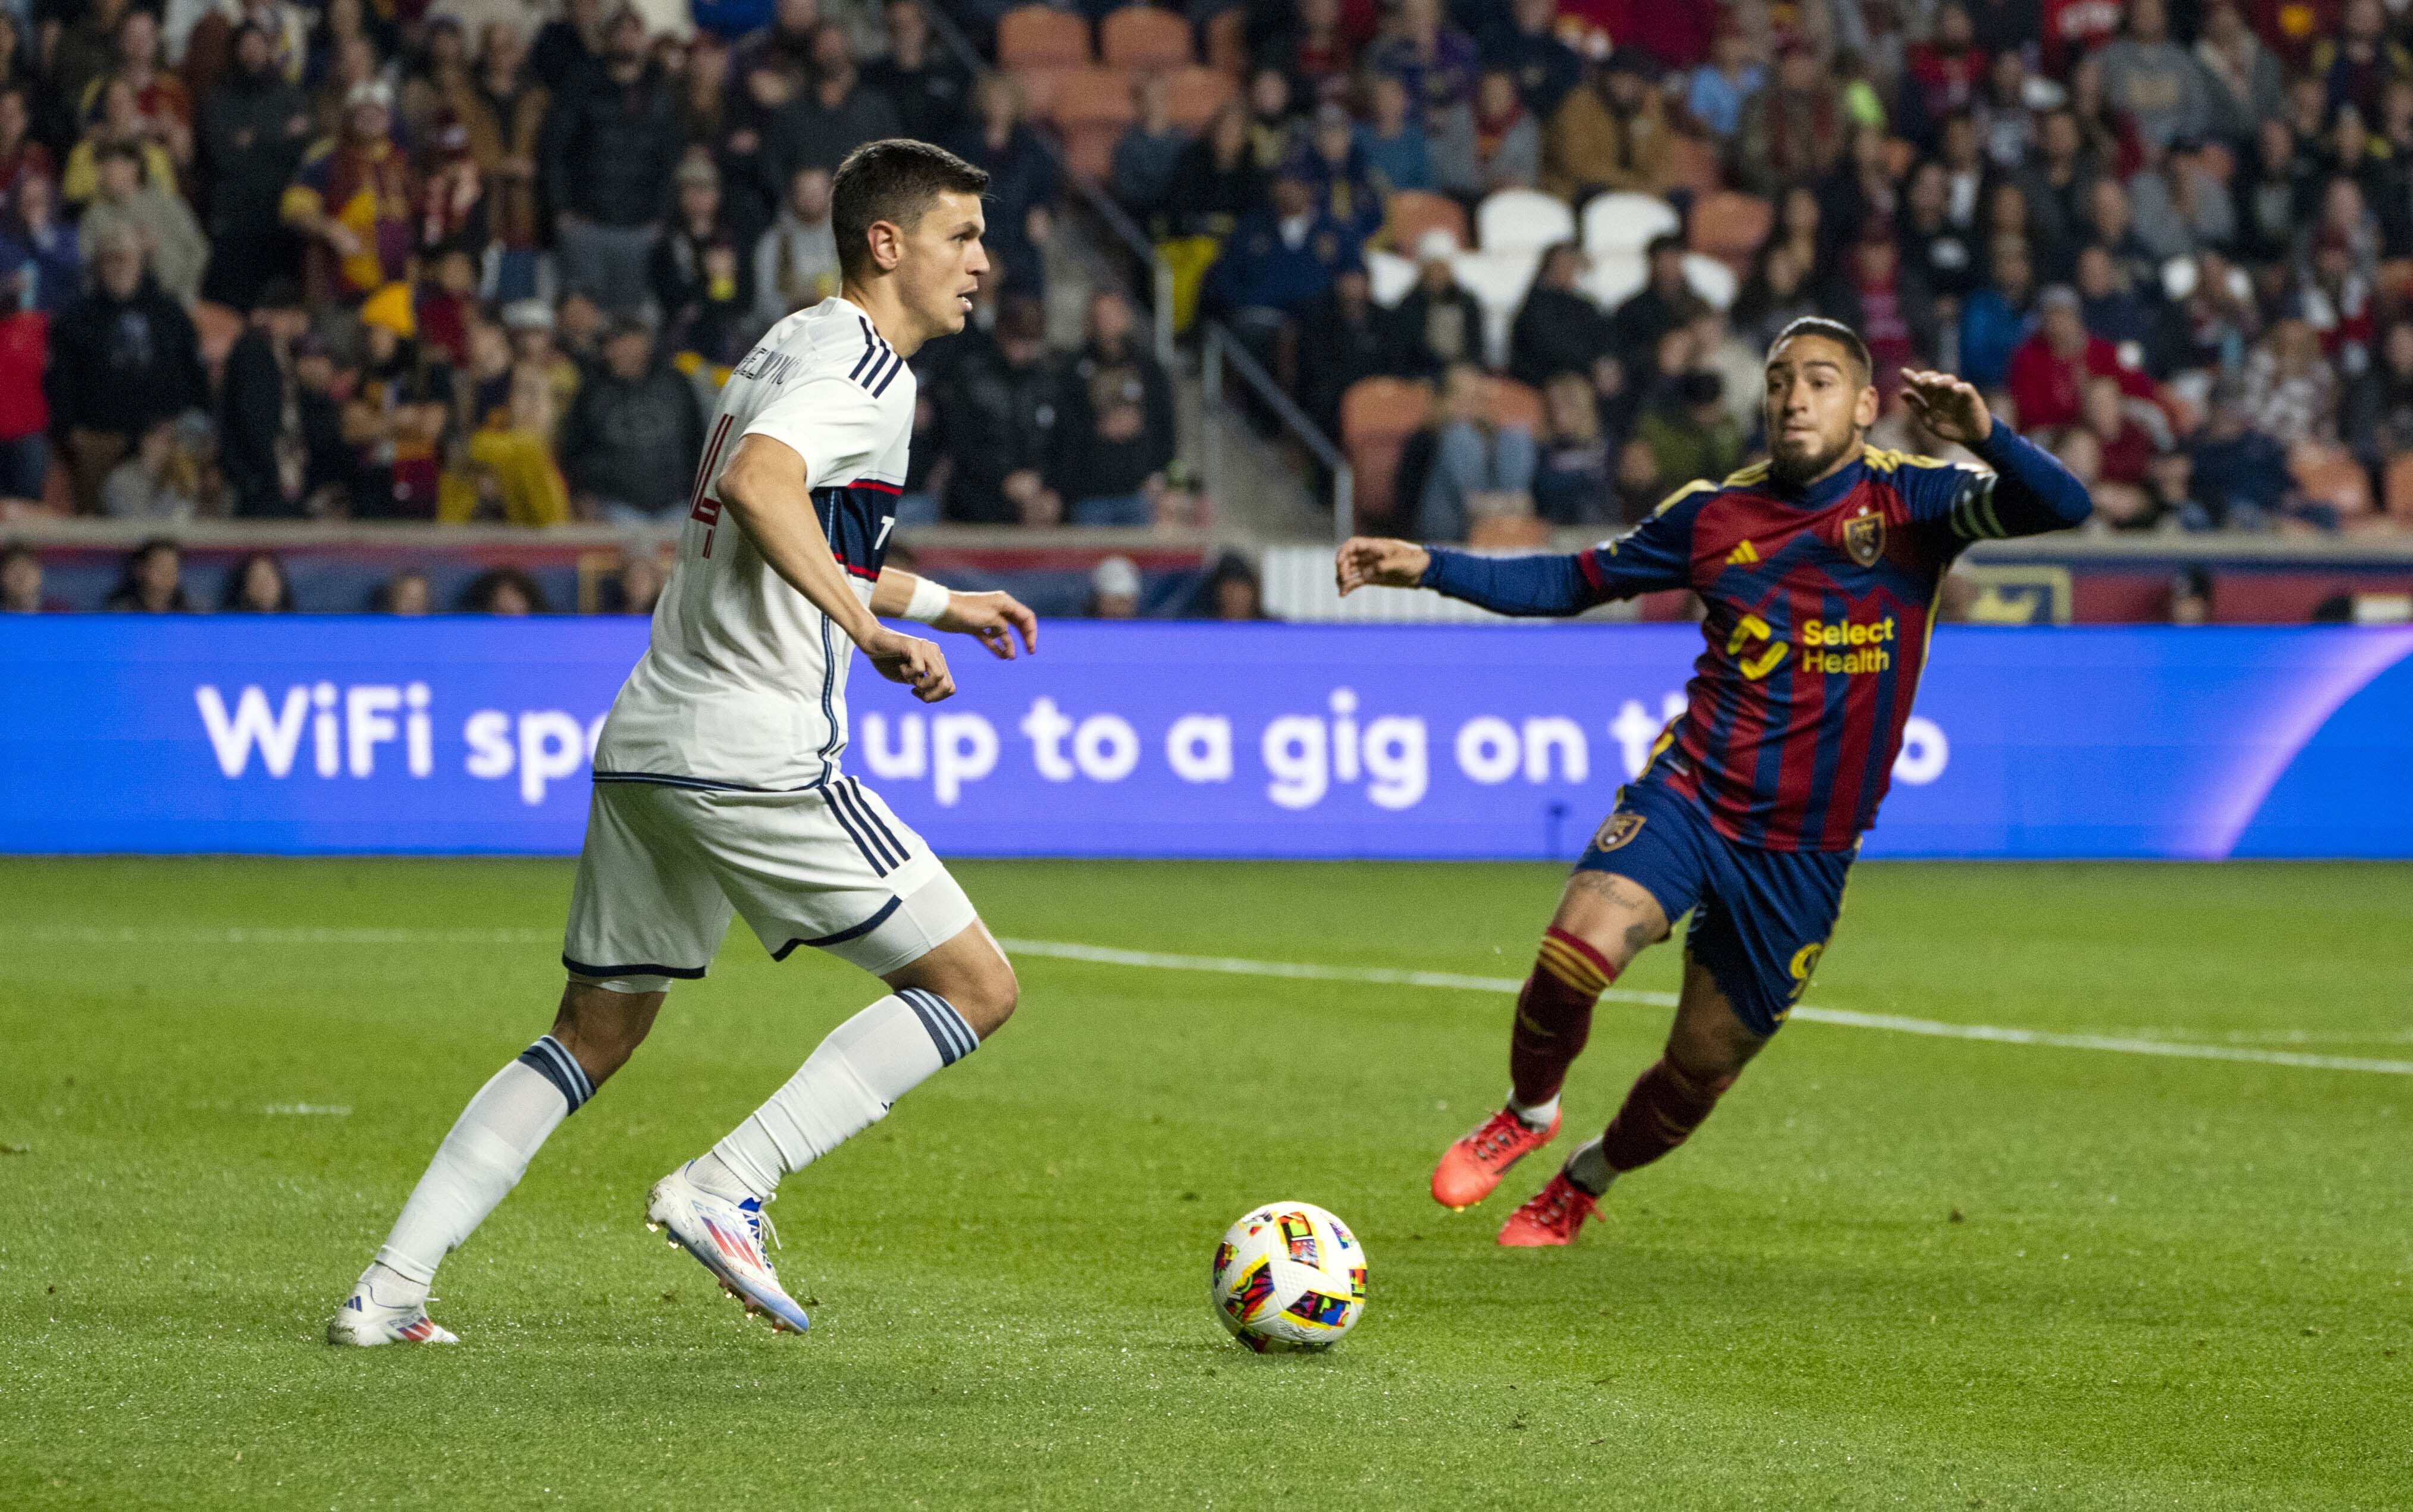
column 1933, row 1029
column 1236, row 966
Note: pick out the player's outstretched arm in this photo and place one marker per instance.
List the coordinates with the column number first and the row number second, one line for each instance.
column 1530, row 585
column 2033, row 493
column 765, row 486
column 994, row 619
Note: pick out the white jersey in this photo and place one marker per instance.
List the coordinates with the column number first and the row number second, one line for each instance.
column 745, row 683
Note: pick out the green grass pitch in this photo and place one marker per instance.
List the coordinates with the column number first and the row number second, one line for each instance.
column 1891, row 1271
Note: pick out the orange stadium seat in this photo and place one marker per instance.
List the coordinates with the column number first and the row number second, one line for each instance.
column 1692, row 163
column 1145, row 39
column 1227, row 43
column 1037, row 86
column 1091, row 108
column 1516, row 404
column 1377, row 417
column 1193, row 95
column 1042, row 37
column 1414, row 211
column 1729, row 227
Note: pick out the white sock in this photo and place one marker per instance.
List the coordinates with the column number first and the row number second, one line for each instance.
column 1539, row 1115
column 1589, row 1168
column 479, row 1163
column 844, row 1087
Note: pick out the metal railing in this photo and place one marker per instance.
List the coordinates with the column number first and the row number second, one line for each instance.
column 1218, row 348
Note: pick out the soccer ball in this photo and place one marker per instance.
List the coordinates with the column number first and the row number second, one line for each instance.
column 1289, row 1276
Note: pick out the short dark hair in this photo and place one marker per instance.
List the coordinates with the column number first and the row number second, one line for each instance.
column 896, row 181
column 1834, row 330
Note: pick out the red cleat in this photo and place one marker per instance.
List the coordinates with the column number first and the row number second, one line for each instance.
column 1554, row 1215
column 1470, row 1168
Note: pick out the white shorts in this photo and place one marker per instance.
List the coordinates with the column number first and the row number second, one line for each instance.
column 665, row 866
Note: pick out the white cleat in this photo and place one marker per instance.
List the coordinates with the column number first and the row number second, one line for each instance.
column 366, row 1321
column 726, row 1237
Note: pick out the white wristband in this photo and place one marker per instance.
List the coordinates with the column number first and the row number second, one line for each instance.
column 929, row 601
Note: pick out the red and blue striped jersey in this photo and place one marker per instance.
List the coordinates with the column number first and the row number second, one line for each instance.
column 1819, row 604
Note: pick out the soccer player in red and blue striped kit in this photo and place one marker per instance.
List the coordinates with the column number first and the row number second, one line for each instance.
column 1819, row 570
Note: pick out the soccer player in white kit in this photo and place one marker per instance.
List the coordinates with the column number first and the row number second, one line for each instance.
column 718, row 782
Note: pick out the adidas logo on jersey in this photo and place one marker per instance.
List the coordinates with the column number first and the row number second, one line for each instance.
column 1742, row 556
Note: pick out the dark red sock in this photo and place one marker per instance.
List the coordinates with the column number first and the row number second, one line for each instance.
column 1660, row 1113
column 1554, row 1015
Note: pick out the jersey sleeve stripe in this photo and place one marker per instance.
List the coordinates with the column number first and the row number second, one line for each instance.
column 871, row 348
column 894, row 369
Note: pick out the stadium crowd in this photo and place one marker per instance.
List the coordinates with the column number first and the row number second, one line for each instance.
column 483, row 259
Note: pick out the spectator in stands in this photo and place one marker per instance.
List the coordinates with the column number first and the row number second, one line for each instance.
column 255, row 126
column 277, row 438
column 996, row 422
column 1801, row 228
column 637, row 587
column 1021, row 181
column 40, row 251
column 1792, row 130
column 119, row 124
column 1217, row 182
column 1558, row 329
column 2108, row 306
column 568, row 48
column 1479, row 467
column 153, row 582
column 1942, row 74
column 161, row 220
column 1274, row 118
column 835, row 115
column 1147, row 156
column 2241, row 474
column 696, row 278
column 1718, row 88
column 2179, row 206
column 2153, row 81
column 406, row 594
column 166, row 477
column 2049, row 370
column 351, row 197
column 1689, row 429
column 506, row 113
column 2291, row 390
column 2127, row 446
column 2377, row 424
column 1423, row 51
column 25, row 412
column 2059, row 189
column 1439, row 324
column 2191, row 598
column 1941, row 253
column 507, row 591
column 1234, row 595
column 609, row 150
column 1856, row 191
column 258, row 586
column 1639, row 488
column 1492, row 142
column 2243, row 82
column 1280, row 261
column 21, row 581
column 1571, row 471
column 630, row 441
column 1309, row 40
column 1115, row 436
column 1392, row 144
column 1995, row 320
column 122, row 358
column 21, row 153
column 1526, row 42
column 1328, row 158
column 1610, row 134
column 1343, row 337
column 2355, row 67
column 398, row 415
column 918, row 77
column 2006, row 125
column 1113, row 589
column 1665, row 303
column 795, row 263
column 1778, row 291
column 1896, row 315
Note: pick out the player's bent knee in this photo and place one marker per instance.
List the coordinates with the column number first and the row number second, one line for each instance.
column 603, row 1023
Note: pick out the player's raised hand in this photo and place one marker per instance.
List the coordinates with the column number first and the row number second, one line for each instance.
column 1371, row 562
column 1951, row 409
column 919, row 664
column 994, row 619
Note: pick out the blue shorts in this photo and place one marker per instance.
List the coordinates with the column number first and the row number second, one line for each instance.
column 1762, row 917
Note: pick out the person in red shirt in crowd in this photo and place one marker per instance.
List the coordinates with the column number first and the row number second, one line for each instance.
column 2292, row 28
column 20, row 154
column 2127, row 446
column 2049, row 370
column 1678, row 36
column 1897, row 315
column 1941, row 75
column 25, row 412
column 2073, row 27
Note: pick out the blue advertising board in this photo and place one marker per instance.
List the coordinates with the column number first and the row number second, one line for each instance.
column 460, row 737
